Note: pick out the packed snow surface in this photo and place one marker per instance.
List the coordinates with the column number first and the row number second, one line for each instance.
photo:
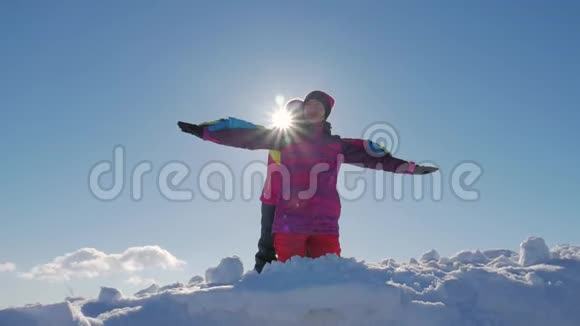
column 536, row 286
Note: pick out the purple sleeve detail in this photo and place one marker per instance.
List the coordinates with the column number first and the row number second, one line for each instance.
column 207, row 136
column 355, row 152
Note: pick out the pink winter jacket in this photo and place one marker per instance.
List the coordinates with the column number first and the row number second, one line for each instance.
column 308, row 199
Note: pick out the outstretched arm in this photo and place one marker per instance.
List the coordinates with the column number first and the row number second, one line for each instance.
column 235, row 133
column 373, row 156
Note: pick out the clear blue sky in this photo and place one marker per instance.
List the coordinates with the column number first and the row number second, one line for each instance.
column 493, row 82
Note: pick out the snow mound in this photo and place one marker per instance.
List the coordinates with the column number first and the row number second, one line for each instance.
column 196, row 280
column 431, row 255
column 154, row 288
column 502, row 262
column 176, row 285
column 229, row 270
column 109, row 295
column 566, row 252
column 470, row 257
column 471, row 288
column 495, row 253
column 60, row 314
column 534, row 251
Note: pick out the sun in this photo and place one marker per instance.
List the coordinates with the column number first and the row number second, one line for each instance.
column 282, row 119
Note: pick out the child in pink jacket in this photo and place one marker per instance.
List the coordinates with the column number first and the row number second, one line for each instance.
column 306, row 217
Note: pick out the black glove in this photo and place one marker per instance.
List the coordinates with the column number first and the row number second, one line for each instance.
column 191, row 128
column 419, row 169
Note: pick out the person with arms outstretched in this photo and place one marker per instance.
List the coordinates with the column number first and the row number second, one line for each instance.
column 307, row 214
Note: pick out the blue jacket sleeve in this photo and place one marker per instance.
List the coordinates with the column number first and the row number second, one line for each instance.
column 241, row 134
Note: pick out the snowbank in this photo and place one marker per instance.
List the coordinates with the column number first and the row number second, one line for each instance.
column 154, row 288
column 490, row 287
column 60, row 314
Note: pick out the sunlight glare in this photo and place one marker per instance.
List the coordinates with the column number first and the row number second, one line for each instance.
column 281, row 119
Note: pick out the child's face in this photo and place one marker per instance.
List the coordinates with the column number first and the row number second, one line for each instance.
column 314, row 111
